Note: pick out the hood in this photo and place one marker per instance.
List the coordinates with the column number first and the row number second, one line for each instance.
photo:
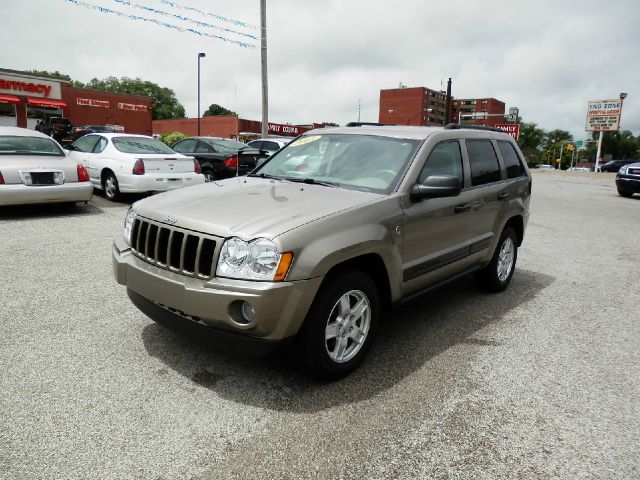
column 249, row 207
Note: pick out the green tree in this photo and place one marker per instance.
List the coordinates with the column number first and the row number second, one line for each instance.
column 530, row 142
column 552, row 142
column 172, row 138
column 215, row 109
column 620, row 145
column 58, row 76
column 164, row 104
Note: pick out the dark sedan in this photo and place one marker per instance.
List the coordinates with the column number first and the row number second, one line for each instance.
column 615, row 165
column 628, row 180
column 77, row 132
column 219, row 157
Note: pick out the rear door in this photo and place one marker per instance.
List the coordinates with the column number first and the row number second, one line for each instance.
column 82, row 153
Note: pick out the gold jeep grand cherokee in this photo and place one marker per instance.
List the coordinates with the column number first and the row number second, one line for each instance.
column 318, row 241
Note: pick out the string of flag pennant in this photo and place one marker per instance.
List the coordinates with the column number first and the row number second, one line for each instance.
column 201, row 12
column 171, row 26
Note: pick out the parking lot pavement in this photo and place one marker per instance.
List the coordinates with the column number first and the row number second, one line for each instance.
column 541, row 381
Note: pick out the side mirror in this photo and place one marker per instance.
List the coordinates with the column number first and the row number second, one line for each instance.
column 436, row 186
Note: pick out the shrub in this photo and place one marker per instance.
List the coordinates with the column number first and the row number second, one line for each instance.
column 172, row 138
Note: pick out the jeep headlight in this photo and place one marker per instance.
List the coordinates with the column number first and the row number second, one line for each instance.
column 128, row 225
column 258, row 259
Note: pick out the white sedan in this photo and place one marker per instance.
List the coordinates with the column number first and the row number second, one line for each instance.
column 35, row 169
column 124, row 163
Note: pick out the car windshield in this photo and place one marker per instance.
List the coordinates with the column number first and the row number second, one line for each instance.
column 14, row 145
column 360, row 162
column 227, row 145
column 140, row 145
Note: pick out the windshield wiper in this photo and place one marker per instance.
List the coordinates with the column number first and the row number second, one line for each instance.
column 265, row 175
column 311, row 181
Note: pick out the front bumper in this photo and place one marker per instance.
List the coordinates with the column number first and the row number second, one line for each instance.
column 628, row 183
column 280, row 307
column 157, row 182
column 19, row 194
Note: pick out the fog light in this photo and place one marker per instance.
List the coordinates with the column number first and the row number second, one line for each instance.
column 248, row 312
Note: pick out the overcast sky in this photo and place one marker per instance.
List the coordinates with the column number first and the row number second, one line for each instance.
column 546, row 57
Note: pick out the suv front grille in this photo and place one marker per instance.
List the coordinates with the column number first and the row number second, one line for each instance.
column 174, row 249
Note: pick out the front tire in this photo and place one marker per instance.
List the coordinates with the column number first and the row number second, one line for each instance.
column 624, row 193
column 110, row 187
column 340, row 325
column 496, row 276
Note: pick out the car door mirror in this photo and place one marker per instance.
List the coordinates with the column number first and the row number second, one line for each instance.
column 436, row 186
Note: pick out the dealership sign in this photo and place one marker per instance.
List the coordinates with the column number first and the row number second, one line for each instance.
column 278, row 129
column 512, row 129
column 92, row 102
column 603, row 115
column 132, row 107
column 29, row 86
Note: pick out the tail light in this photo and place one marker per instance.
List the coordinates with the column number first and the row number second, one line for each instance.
column 231, row 162
column 1, row 179
column 83, row 175
column 196, row 167
column 138, row 168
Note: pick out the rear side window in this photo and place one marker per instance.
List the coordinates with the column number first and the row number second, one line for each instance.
column 511, row 160
column 185, row 146
column 483, row 161
column 444, row 159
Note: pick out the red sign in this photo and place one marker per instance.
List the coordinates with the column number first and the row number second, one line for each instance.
column 91, row 102
column 131, row 106
column 279, row 129
column 25, row 87
column 512, row 129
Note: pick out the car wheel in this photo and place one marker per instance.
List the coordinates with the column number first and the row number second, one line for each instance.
column 624, row 193
column 340, row 325
column 496, row 276
column 110, row 186
column 209, row 176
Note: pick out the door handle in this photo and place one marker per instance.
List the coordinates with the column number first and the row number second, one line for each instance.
column 465, row 207
column 502, row 196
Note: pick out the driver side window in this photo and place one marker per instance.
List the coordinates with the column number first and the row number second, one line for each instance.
column 444, row 159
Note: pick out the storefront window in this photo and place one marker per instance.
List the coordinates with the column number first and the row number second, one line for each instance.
column 8, row 115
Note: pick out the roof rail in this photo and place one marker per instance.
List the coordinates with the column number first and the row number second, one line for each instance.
column 458, row 126
column 367, row 124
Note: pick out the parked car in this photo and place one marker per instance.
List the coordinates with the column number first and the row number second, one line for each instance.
column 122, row 163
column 578, row 169
column 312, row 256
column 77, row 132
column 543, row 166
column 615, row 165
column 628, row 179
column 56, row 127
column 35, row 169
column 219, row 157
column 269, row 145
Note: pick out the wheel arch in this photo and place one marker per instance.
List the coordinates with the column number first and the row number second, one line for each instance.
column 517, row 223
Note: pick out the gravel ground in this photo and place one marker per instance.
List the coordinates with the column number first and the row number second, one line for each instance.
column 542, row 381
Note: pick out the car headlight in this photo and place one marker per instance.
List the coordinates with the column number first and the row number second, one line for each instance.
column 623, row 170
column 128, row 225
column 258, row 259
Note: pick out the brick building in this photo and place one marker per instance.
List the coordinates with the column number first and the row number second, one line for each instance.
column 487, row 111
column 423, row 106
column 26, row 99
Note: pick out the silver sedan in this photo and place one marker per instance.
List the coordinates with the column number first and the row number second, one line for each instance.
column 35, row 169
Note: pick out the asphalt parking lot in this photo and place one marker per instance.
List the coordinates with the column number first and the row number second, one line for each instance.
column 541, row 381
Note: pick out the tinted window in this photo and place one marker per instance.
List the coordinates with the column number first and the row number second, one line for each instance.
column 140, row 145
column 511, row 160
column 444, row 159
column 203, row 148
column 185, row 146
column 227, row 145
column 255, row 144
column 101, row 145
column 86, row 143
column 483, row 161
column 12, row 145
column 271, row 146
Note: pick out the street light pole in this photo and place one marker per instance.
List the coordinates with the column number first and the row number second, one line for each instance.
column 200, row 55
column 263, row 65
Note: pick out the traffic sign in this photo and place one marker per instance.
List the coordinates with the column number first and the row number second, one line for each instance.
column 578, row 143
column 512, row 129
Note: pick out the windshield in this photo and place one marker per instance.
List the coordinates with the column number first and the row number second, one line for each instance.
column 361, row 162
column 228, row 145
column 13, row 145
column 140, row 145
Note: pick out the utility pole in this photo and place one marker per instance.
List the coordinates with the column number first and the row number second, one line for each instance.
column 263, row 62
column 447, row 116
column 358, row 110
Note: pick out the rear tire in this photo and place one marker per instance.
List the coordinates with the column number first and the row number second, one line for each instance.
column 110, row 186
column 340, row 325
column 496, row 276
column 209, row 176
